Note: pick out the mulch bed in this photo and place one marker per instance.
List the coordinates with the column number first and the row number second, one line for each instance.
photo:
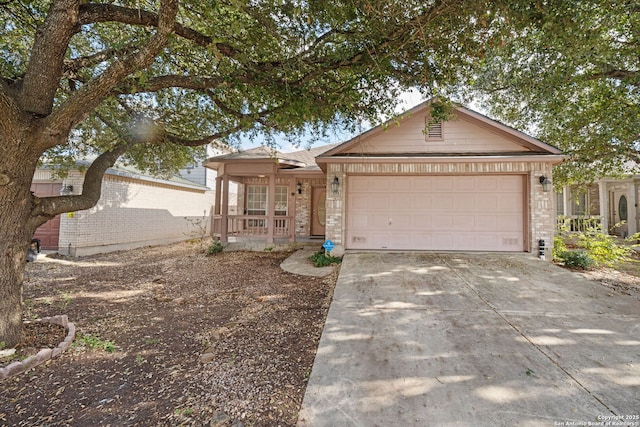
column 145, row 317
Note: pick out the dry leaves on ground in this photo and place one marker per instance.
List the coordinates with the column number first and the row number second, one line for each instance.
column 143, row 319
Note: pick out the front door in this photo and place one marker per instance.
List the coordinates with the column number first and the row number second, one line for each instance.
column 319, row 211
column 619, row 214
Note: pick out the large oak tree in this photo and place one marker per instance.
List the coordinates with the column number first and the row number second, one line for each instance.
column 569, row 72
column 150, row 81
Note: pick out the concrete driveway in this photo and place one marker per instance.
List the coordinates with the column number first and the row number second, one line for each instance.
column 419, row 339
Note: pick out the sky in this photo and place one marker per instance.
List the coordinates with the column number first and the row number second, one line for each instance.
column 409, row 100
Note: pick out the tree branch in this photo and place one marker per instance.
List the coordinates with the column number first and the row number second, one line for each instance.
column 621, row 75
column 89, row 96
column 75, row 64
column 46, row 208
column 47, row 55
column 91, row 13
column 164, row 82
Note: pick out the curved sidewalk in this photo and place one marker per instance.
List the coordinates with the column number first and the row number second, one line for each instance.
column 299, row 263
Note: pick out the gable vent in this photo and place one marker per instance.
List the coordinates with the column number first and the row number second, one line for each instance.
column 434, row 130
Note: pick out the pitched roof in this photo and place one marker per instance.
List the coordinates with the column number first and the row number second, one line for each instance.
column 302, row 159
column 521, row 138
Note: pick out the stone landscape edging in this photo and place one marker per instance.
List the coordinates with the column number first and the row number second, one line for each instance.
column 45, row 354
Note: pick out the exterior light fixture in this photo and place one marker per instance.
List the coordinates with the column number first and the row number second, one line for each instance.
column 66, row 190
column 546, row 184
column 299, row 186
column 335, row 185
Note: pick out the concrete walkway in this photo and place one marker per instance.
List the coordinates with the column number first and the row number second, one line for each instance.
column 298, row 263
column 420, row 339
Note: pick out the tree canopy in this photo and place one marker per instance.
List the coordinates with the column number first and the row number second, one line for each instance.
column 569, row 73
column 151, row 81
column 108, row 73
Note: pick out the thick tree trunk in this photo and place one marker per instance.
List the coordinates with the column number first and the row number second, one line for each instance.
column 16, row 229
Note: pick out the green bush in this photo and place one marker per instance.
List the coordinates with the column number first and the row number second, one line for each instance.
column 576, row 259
column 214, row 248
column 322, row 259
column 602, row 247
column 559, row 248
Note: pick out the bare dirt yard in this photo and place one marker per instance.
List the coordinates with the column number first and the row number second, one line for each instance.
column 145, row 317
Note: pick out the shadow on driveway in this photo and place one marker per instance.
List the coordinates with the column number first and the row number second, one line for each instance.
column 473, row 339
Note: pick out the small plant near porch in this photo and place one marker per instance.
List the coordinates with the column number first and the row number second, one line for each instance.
column 323, row 259
column 594, row 248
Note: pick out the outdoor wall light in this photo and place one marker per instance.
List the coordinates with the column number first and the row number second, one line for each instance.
column 546, row 184
column 299, row 186
column 66, row 190
column 335, row 185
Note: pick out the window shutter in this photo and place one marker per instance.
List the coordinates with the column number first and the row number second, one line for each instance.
column 434, row 130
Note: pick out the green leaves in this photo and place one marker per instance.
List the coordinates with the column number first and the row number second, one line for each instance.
column 569, row 73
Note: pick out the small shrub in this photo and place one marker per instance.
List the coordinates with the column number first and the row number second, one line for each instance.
column 92, row 341
column 602, row 247
column 577, row 259
column 214, row 248
column 559, row 248
column 323, row 259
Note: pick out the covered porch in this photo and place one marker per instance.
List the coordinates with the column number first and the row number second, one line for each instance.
column 280, row 197
column 609, row 205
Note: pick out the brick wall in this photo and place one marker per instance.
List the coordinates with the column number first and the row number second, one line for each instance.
column 132, row 213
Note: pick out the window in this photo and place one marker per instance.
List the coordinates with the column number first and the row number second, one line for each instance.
column 560, row 202
column 579, row 202
column 257, row 200
column 282, row 200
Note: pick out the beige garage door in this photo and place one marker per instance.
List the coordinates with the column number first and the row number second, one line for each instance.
column 470, row 213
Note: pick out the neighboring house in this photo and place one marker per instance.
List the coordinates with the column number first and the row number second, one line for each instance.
column 196, row 172
column 468, row 184
column 610, row 203
column 134, row 210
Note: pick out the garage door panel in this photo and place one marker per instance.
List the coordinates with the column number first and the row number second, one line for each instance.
column 510, row 223
column 487, row 183
column 422, row 202
column 358, row 201
column 486, row 223
column 359, row 221
column 378, row 221
column 443, row 203
column 436, row 212
column 441, row 184
column 396, row 199
column 462, row 222
column 464, row 203
column 378, row 202
column 421, row 222
column 486, row 202
column 510, row 203
column 464, row 183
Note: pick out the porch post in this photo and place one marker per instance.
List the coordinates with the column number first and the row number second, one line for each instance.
column 271, row 207
column 216, row 206
column 604, row 205
column 224, row 225
column 566, row 201
column 291, row 211
column 632, row 218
